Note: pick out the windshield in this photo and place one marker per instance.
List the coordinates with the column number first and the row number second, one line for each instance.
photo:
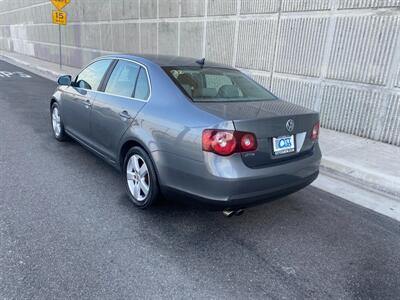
column 217, row 84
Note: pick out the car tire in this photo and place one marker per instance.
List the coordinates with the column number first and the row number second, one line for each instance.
column 57, row 124
column 140, row 178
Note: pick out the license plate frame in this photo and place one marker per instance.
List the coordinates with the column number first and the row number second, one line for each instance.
column 284, row 144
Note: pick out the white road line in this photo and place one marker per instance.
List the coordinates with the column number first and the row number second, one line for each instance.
column 8, row 74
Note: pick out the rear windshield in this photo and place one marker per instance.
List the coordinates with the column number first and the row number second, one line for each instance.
column 217, row 84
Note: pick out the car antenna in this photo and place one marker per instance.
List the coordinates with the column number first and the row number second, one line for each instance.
column 201, row 62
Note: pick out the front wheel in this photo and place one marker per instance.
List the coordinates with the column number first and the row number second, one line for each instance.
column 140, row 178
column 57, row 124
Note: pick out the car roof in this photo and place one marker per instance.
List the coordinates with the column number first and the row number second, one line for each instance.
column 167, row 60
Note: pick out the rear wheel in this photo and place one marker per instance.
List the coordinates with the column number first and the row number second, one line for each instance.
column 57, row 124
column 140, row 178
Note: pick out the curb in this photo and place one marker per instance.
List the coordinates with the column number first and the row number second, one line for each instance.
column 382, row 185
column 356, row 175
column 38, row 70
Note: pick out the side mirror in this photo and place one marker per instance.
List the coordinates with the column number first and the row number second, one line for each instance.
column 65, row 80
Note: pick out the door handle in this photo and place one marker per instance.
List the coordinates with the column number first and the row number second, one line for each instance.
column 125, row 115
column 87, row 103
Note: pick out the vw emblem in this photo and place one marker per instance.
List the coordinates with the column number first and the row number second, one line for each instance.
column 290, row 125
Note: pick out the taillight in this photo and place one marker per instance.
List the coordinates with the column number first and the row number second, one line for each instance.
column 315, row 132
column 227, row 142
column 248, row 142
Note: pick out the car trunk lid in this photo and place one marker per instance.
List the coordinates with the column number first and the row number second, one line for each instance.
column 268, row 120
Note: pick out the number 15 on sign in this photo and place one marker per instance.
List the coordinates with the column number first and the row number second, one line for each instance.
column 59, row 17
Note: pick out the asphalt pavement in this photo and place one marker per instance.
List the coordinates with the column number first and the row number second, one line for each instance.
column 67, row 229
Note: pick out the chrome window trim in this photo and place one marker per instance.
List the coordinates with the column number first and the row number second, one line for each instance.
column 124, row 97
column 126, row 59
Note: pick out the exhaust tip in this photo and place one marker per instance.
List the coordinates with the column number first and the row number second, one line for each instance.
column 229, row 213
column 239, row 212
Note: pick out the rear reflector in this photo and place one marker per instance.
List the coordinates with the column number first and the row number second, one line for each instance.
column 315, row 132
column 227, row 142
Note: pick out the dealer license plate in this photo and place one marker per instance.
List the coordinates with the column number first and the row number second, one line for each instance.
column 283, row 144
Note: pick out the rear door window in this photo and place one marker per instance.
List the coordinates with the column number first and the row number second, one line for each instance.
column 91, row 77
column 142, row 86
column 123, row 79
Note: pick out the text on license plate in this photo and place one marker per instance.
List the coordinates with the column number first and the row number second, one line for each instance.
column 283, row 144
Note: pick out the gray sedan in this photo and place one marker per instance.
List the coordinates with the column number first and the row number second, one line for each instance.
column 186, row 127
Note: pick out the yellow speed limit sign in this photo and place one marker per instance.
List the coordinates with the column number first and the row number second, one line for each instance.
column 60, row 4
column 59, row 17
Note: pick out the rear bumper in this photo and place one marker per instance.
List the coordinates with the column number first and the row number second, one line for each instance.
column 242, row 200
column 228, row 182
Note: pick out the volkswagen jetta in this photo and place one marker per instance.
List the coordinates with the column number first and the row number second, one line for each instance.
column 189, row 127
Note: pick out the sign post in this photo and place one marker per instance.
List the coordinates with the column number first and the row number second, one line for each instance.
column 60, row 17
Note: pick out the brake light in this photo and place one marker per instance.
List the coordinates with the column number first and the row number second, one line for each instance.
column 227, row 142
column 315, row 132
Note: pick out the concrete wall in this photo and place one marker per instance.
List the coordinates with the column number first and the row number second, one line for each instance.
column 340, row 57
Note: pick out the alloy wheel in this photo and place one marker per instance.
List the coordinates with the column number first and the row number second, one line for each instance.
column 56, row 121
column 137, row 175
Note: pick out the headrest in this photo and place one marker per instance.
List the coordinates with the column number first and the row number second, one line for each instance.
column 229, row 91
